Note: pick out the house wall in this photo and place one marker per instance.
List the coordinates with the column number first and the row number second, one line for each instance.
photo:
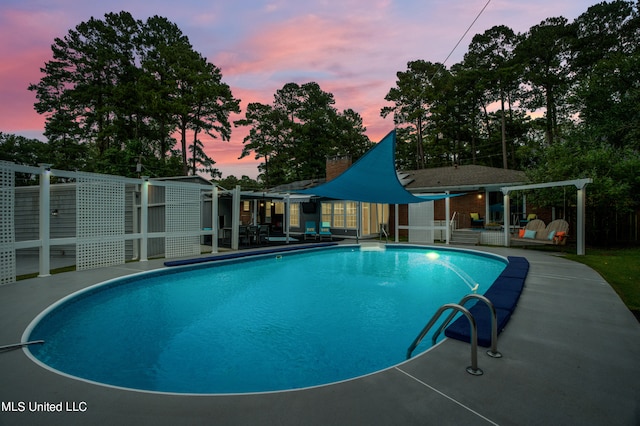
column 472, row 202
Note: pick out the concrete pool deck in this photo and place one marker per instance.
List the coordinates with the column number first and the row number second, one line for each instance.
column 571, row 355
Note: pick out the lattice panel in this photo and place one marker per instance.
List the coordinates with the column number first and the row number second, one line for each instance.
column 182, row 215
column 100, row 222
column 7, row 229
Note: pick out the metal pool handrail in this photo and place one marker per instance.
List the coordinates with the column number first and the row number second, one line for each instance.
column 473, row 369
column 493, row 352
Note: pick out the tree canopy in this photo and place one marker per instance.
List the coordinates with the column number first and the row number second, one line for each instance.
column 298, row 131
column 123, row 89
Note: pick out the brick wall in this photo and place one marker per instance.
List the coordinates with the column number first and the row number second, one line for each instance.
column 336, row 165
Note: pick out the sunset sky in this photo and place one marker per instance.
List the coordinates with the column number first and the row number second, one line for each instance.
column 351, row 48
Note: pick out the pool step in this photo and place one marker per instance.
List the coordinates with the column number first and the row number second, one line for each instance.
column 465, row 237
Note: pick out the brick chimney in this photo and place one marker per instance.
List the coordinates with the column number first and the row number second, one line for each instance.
column 336, row 165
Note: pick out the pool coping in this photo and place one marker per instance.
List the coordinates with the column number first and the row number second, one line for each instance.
column 570, row 355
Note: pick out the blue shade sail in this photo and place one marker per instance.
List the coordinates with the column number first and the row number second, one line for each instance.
column 371, row 179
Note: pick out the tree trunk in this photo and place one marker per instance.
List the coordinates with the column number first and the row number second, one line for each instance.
column 504, row 133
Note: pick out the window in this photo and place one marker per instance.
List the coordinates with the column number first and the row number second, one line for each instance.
column 246, row 206
column 338, row 214
column 294, row 215
column 279, row 207
column 352, row 214
column 326, row 212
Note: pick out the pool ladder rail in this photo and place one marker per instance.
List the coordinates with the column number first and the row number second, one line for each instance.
column 459, row 307
column 19, row 345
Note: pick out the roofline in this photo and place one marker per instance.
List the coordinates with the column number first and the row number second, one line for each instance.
column 494, row 186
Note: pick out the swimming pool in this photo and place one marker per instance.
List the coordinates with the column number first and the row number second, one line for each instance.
column 278, row 322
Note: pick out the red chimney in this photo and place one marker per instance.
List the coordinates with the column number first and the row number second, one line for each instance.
column 336, row 165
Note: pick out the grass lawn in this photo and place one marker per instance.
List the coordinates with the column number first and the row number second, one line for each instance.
column 620, row 268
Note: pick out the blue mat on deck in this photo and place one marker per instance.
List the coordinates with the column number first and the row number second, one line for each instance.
column 504, row 294
column 240, row 254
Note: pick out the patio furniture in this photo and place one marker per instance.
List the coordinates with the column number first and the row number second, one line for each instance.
column 536, row 232
column 310, row 230
column 476, row 221
column 325, row 231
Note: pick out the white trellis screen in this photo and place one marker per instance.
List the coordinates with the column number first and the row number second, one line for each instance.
column 100, row 203
column 183, row 215
column 7, row 234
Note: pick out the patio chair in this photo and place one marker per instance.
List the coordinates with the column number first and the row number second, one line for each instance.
column 530, row 217
column 476, row 221
column 325, row 231
column 310, row 230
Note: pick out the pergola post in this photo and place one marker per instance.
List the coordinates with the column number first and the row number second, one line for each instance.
column 580, row 225
column 45, row 221
column 506, row 218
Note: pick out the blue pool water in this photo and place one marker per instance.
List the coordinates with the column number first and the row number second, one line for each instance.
column 279, row 322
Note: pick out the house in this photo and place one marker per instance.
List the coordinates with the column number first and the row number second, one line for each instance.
column 479, row 188
column 348, row 219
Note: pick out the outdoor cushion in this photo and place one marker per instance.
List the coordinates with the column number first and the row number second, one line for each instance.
column 551, row 235
column 461, row 330
column 475, row 216
column 503, row 299
column 529, row 234
column 521, row 233
column 508, row 283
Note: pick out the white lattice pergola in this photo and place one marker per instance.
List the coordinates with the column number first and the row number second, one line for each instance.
column 111, row 218
column 580, row 184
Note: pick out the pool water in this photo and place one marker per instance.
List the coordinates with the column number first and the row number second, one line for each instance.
column 279, row 322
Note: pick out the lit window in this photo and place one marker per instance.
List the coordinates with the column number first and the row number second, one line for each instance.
column 352, row 215
column 326, row 212
column 294, row 215
column 338, row 215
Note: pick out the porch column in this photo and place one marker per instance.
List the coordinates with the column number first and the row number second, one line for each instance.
column 487, row 208
column 397, row 222
column 507, row 214
column 287, row 215
column 235, row 218
column 447, row 213
column 215, row 228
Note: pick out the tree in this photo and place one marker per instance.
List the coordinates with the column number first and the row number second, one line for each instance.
column 413, row 94
column 606, row 62
column 299, row 131
column 493, row 53
column 543, row 54
column 119, row 80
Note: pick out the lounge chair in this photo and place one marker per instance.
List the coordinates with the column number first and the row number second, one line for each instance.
column 310, row 230
column 476, row 221
column 325, row 231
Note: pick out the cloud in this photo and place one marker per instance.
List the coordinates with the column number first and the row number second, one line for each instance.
column 351, row 48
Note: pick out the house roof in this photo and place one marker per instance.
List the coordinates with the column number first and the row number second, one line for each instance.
column 462, row 178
